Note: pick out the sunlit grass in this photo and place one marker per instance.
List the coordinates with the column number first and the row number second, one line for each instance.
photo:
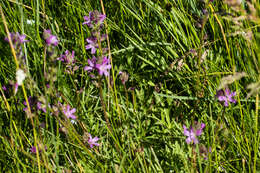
column 175, row 53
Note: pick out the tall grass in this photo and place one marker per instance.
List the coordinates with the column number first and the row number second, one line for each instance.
column 175, row 52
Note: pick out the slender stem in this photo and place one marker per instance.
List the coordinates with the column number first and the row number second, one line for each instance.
column 103, row 104
column 126, row 94
column 44, row 60
column 110, row 58
column 24, row 91
column 224, row 37
column 193, row 161
column 104, row 109
column 256, row 131
column 5, row 100
column 198, row 153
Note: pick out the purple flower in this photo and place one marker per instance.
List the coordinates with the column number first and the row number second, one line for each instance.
column 92, row 44
column 9, row 88
column 16, row 38
column 30, row 100
column 41, row 107
column 33, row 149
column 193, row 133
column 69, row 113
column 49, row 38
column 104, row 67
column 226, row 96
column 92, row 64
column 92, row 141
column 94, row 19
column 68, row 57
column 4, row 88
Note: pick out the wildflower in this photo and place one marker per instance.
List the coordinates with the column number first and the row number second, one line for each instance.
column 4, row 88
column 33, row 149
column 49, row 38
column 192, row 133
column 40, row 107
column 92, row 64
column 68, row 57
column 92, row 141
column 32, row 103
column 94, row 19
column 226, row 96
column 16, row 38
column 7, row 89
column 20, row 76
column 102, row 68
column 92, row 44
column 69, row 113
column 30, row 22
column 123, row 77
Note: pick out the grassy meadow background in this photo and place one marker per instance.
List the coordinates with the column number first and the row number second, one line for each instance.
column 177, row 55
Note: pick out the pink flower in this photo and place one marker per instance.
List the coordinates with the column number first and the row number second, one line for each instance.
column 92, row 141
column 94, row 19
column 92, row 44
column 92, row 64
column 16, row 38
column 49, row 38
column 33, row 149
column 193, row 133
column 104, row 67
column 69, row 113
column 226, row 96
column 41, row 107
column 68, row 57
column 30, row 101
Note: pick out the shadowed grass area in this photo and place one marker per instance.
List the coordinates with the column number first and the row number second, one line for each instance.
column 175, row 54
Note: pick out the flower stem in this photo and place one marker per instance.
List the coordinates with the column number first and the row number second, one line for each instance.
column 24, row 91
column 103, row 104
column 110, row 58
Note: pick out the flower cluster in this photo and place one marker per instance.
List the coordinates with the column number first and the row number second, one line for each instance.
column 17, row 40
column 95, row 19
column 123, row 77
column 92, row 141
column 102, row 64
column 35, row 105
column 51, row 40
column 69, row 60
column 40, row 147
column 193, row 132
column 68, row 112
column 226, row 96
